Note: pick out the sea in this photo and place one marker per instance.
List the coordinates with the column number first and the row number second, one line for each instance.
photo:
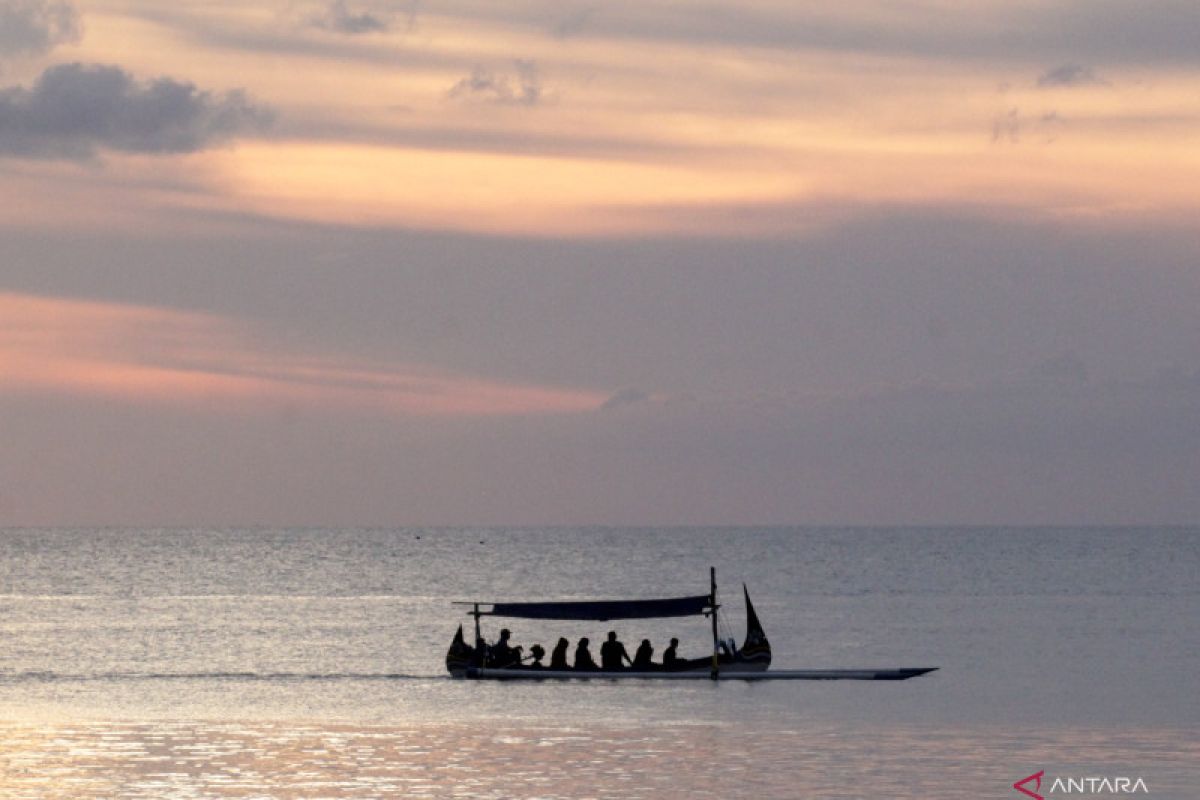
column 309, row 663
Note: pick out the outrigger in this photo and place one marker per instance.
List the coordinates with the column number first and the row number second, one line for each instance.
column 749, row 663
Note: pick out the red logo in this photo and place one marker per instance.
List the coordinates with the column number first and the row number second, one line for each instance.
column 1020, row 785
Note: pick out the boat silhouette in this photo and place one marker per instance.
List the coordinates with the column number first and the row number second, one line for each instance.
column 750, row 662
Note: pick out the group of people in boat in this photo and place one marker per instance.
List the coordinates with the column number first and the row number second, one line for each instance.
column 613, row 655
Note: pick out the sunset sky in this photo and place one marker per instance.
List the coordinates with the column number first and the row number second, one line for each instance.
column 278, row 262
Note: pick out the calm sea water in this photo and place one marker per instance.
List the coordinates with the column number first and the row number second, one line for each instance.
column 308, row 663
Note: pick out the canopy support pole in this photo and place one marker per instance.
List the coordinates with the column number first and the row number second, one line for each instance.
column 712, row 575
column 478, row 643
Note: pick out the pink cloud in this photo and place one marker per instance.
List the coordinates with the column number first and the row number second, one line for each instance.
column 161, row 356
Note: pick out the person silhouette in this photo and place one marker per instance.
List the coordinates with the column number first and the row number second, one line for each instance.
column 558, row 659
column 537, row 651
column 583, row 657
column 641, row 659
column 612, row 653
column 502, row 654
column 670, row 659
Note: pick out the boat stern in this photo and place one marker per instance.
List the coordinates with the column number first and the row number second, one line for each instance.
column 756, row 649
column 460, row 655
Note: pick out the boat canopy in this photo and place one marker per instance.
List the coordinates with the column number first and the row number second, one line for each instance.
column 602, row 610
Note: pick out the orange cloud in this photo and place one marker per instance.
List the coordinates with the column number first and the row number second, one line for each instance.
column 370, row 130
column 501, row 193
column 159, row 356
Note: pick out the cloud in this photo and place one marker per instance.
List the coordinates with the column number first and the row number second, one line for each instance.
column 73, row 110
column 625, row 397
column 1102, row 31
column 1045, row 446
column 153, row 356
column 574, row 22
column 1070, row 75
column 483, row 84
column 338, row 17
column 1008, row 126
column 33, row 27
column 821, row 327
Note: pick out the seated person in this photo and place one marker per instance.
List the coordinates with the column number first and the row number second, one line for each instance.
column 583, row 656
column 612, row 653
column 641, row 659
column 670, row 659
column 502, row 654
column 537, row 651
column 558, row 659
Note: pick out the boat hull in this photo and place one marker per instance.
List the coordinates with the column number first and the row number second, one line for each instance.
column 741, row 672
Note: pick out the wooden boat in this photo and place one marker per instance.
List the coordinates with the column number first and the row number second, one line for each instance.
column 750, row 662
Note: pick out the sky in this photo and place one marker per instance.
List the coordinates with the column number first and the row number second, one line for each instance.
column 292, row 262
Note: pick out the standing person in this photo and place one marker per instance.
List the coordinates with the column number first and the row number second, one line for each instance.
column 670, row 659
column 583, row 656
column 641, row 659
column 612, row 653
column 558, row 659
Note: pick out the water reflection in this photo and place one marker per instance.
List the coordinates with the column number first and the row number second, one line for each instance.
column 306, row 760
